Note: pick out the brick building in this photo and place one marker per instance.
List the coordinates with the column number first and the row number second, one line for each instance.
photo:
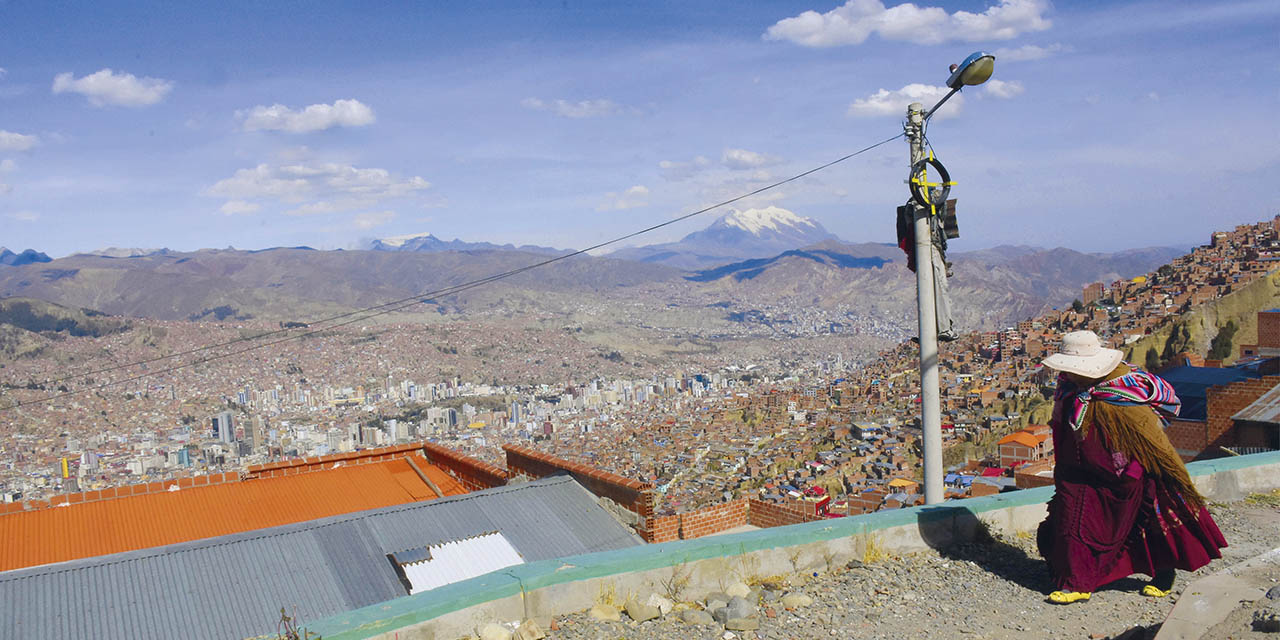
column 1092, row 293
column 1212, row 399
column 1028, row 445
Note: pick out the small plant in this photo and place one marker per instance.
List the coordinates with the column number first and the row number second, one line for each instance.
column 873, row 551
column 287, row 628
column 829, row 557
column 674, row 585
column 1271, row 499
column 794, row 556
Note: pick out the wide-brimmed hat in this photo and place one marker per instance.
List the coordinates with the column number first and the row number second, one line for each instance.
column 1082, row 353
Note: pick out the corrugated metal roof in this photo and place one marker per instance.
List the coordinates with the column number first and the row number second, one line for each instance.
column 458, row 560
column 1264, row 409
column 87, row 529
column 234, row 586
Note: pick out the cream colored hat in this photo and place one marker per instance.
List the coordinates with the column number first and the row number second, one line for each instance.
column 1082, row 353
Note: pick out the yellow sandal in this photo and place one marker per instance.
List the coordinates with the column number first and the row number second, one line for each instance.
column 1153, row 591
column 1067, row 597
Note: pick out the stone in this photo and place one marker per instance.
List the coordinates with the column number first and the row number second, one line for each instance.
column 854, row 564
column 770, row 613
column 721, row 615
column 493, row 631
column 641, row 612
column 554, row 625
column 697, row 616
column 716, row 599
column 529, row 630
column 606, row 613
column 742, row 624
column 663, row 604
column 739, row 607
column 1273, row 593
column 796, row 600
column 738, row 589
column 1266, row 620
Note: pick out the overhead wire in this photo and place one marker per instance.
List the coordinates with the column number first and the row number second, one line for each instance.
column 368, row 313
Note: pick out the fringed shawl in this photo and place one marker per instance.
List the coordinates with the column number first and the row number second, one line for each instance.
column 1134, row 408
column 1137, row 387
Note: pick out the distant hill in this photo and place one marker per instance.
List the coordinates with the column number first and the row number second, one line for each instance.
column 296, row 284
column 29, row 256
column 430, row 243
column 735, row 236
column 990, row 288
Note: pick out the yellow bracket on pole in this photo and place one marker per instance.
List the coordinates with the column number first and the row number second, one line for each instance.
column 922, row 181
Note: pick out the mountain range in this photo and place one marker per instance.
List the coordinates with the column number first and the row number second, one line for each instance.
column 737, row 235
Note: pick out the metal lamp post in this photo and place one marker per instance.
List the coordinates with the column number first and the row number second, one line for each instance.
column 975, row 70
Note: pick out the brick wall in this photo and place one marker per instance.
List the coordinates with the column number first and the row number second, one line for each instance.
column 722, row 517
column 1269, row 329
column 1225, row 401
column 1188, row 437
column 768, row 514
column 472, row 473
column 120, row 492
column 713, row 519
column 630, row 494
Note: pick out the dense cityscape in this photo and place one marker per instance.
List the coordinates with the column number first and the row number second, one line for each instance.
column 701, row 435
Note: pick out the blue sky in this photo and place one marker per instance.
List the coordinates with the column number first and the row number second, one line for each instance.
column 1107, row 125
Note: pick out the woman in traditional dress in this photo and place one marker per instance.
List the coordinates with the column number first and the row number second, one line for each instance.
column 1123, row 502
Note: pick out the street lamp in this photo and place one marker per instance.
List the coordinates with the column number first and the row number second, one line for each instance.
column 976, row 69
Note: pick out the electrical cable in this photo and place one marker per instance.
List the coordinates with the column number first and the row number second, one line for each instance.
column 402, row 303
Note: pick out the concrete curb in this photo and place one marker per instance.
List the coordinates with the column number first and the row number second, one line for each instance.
column 1209, row 600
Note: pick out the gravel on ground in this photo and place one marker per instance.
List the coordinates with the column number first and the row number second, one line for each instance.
column 992, row 590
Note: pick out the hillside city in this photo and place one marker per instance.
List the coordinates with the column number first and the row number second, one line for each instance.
column 828, row 430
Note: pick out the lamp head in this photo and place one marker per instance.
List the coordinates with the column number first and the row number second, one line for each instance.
column 975, row 70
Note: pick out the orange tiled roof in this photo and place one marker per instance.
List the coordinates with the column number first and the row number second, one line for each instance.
column 88, row 525
column 1023, row 438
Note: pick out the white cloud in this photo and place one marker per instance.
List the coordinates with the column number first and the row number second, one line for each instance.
column 3, row 71
column 637, row 196
column 1029, row 52
column 315, row 187
column 108, row 88
column 677, row 171
column 371, row 219
column 239, row 207
column 894, row 103
column 24, row 216
column 317, row 117
column 741, row 159
column 10, row 141
column 1002, row 89
column 7, row 165
column 581, row 109
column 856, row 20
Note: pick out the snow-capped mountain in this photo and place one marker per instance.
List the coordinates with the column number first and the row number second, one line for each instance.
column 737, row 235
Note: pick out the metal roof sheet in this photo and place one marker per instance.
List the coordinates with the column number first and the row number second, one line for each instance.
column 1265, row 409
column 88, row 529
column 234, row 586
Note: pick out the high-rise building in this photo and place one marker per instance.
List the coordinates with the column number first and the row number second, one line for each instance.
column 224, row 429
